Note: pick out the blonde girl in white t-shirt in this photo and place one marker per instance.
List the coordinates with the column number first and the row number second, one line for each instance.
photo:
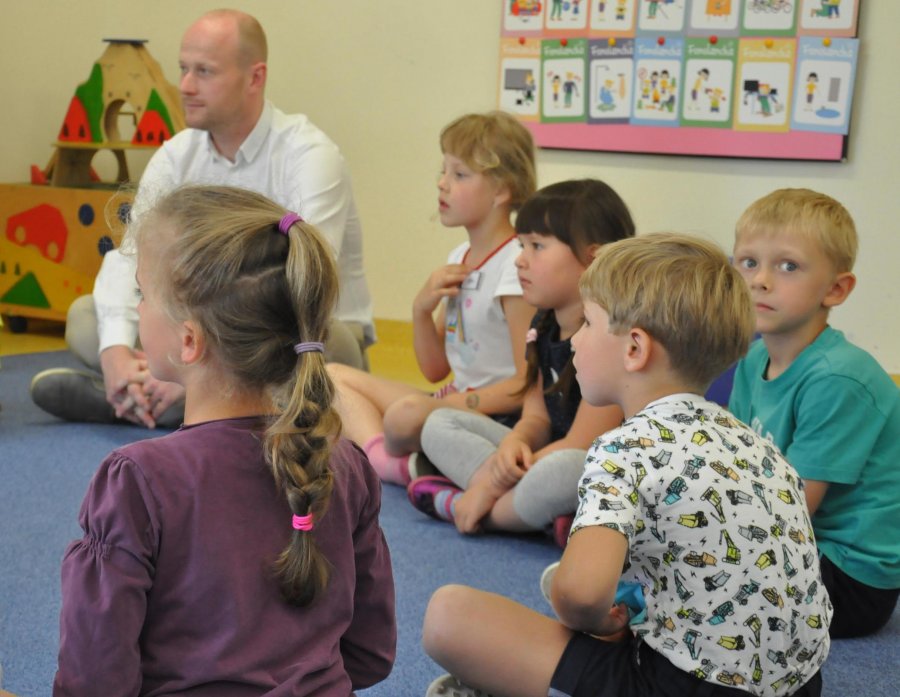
column 469, row 318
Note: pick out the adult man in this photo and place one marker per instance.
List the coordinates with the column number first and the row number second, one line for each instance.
column 234, row 136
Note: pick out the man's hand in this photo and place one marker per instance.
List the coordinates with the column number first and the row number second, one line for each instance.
column 121, row 367
column 135, row 395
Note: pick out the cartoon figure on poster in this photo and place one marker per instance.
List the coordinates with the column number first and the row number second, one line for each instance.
column 522, row 15
column 656, row 90
column 566, row 14
column 661, row 15
column 715, row 15
column 562, row 80
column 822, row 95
column 708, row 98
column 762, row 93
column 613, row 15
column 771, row 15
column 520, row 86
column 611, row 88
column 831, row 15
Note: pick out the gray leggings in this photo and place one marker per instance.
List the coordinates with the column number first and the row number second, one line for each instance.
column 458, row 442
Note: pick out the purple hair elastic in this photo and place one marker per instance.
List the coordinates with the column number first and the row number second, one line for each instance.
column 303, row 522
column 309, row 346
column 287, row 220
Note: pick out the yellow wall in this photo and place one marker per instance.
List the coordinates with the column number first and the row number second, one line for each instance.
column 381, row 78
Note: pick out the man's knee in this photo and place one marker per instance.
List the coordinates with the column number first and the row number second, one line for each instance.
column 82, row 336
column 346, row 345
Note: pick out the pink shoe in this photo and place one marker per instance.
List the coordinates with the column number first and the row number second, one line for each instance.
column 433, row 496
column 561, row 526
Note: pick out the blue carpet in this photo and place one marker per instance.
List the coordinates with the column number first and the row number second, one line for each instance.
column 45, row 466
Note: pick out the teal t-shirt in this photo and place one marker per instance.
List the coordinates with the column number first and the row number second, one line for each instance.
column 835, row 414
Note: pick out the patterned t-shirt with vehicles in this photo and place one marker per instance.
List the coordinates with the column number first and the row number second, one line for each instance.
column 720, row 539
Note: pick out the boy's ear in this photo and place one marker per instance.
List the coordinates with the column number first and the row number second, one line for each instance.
column 638, row 349
column 843, row 285
column 193, row 345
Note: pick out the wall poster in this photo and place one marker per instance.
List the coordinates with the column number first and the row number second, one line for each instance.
column 726, row 78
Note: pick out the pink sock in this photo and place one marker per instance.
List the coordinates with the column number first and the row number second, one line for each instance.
column 390, row 468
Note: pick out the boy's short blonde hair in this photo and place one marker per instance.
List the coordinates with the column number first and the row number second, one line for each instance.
column 808, row 213
column 681, row 290
column 498, row 145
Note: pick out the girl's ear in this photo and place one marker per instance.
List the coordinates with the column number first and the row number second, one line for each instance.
column 840, row 289
column 502, row 196
column 638, row 348
column 193, row 345
column 591, row 251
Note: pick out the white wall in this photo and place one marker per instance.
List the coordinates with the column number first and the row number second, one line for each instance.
column 382, row 78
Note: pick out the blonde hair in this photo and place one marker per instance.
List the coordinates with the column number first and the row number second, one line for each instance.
column 681, row 290
column 254, row 292
column 813, row 215
column 497, row 145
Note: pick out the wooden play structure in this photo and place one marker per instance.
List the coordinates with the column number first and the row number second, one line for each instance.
column 56, row 229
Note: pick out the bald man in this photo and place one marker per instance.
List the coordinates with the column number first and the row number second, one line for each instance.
column 237, row 137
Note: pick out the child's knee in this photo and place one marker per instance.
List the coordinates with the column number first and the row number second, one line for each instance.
column 444, row 616
column 405, row 417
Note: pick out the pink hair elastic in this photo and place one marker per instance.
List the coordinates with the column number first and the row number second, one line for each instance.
column 309, row 346
column 303, row 522
column 287, row 220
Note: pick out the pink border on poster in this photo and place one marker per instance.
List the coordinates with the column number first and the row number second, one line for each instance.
column 660, row 140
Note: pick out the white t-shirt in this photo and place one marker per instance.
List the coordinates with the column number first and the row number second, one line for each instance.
column 476, row 334
column 286, row 158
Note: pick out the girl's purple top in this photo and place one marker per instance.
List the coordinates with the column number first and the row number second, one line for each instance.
column 170, row 591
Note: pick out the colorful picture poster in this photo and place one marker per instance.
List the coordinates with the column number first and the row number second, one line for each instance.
column 763, row 91
column 657, row 76
column 520, row 77
column 566, row 16
column 765, row 79
column 563, row 68
column 522, row 16
column 834, row 18
column 661, row 16
column 611, row 70
column 613, row 17
column 707, row 83
column 714, row 17
column 824, row 84
column 770, row 17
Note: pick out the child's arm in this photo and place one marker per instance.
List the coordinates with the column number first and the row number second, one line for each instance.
column 428, row 330
column 515, row 454
column 106, row 577
column 500, row 472
column 584, row 587
column 814, row 491
column 498, row 398
column 590, row 422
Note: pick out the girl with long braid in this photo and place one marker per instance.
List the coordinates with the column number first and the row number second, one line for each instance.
column 242, row 553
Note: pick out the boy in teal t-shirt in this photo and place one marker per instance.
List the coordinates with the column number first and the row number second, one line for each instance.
column 827, row 404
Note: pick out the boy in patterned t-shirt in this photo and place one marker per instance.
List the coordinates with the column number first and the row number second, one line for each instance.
column 683, row 499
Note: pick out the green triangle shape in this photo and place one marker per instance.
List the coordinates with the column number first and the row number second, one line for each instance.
column 26, row 292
